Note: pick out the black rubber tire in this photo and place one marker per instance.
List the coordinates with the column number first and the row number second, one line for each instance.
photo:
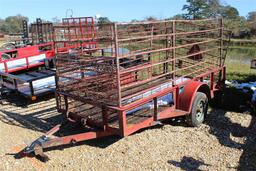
column 199, row 110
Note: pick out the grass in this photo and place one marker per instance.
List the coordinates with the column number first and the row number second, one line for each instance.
column 240, row 72
column 243, row 47
column 243, row 40
column 238, row 63
column 242, row 52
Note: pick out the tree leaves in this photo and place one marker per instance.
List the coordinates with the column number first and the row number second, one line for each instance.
column 12, row 24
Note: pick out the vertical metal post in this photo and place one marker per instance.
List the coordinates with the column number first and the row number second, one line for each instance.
column 117, row 65
column 69, row 34
column 25, row 31
column 39, row 30
column 155, row 109
column 66, row 103
column 54, row 39
column 15, row 84
column 121, row 114
column 58, row 101
column 80, row 29
column 57, row 96
column 122, row 123
column 176, row 97
column 212, row 80
column 112, row 37
column 32, row 90
column 151, row 35
column 6, row 67
column 105, row 117
column 223, row 74
column 173, row 50
column 221, row 40
column 87, row 28
column 167, row 54
column 150, row 69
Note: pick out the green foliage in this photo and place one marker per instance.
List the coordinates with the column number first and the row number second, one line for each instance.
column 214, row 8
column 251, row 18
column 134, row 20
column 196, row 9
column 177, row 17
column 103, row 20
column 241, row 28
column 12, row 24
column 229, row 12
column 150, row 18
column 237, row 26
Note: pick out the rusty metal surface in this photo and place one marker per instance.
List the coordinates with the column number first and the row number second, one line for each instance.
column 130, row 63
column 132, row 55
column 76, row 33
column 119, row 85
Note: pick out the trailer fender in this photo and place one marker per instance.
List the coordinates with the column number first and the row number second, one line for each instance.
column 187, row 95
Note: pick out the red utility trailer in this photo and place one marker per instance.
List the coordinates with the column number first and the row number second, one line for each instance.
column 140, row 74
column 29, row 63
column 26, row 57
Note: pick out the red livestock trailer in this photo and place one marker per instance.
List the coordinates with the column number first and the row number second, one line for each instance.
column 141, row 74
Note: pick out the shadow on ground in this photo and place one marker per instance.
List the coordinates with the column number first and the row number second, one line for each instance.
column 188, row 164
column 44, row 117
column 39, row 115
column 222, row 127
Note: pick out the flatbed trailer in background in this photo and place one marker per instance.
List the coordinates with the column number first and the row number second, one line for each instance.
column 29, row 62
column 31, row 84
column 141, row 73
column 18, row 65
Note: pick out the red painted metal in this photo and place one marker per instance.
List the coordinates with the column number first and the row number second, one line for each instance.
column 26, row 53
column 74, row 33
column 119, row 86
column 186, row 98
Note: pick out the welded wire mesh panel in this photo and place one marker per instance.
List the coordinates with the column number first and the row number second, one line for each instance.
column 85, row 30
column 157, row 52
column 87, row 78
column 75, row 33
column 198, row 47
column 135, row 60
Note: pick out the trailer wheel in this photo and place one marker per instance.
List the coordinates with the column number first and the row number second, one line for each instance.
column 199, row 110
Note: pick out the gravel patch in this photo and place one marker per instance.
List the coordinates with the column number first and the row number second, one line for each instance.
column 226, row 141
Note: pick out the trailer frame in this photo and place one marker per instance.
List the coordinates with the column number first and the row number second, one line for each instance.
column 113, row 76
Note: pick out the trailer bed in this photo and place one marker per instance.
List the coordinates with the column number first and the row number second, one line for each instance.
column 29, row 84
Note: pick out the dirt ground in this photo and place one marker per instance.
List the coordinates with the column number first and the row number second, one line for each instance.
column 227, row 141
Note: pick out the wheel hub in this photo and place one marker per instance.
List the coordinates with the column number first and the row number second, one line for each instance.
column 200, row 111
